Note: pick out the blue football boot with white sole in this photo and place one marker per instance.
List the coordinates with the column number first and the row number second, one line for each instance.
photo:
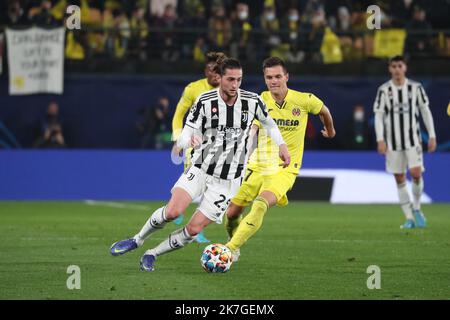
column 421, row 222
column 179, row 219
column 200, row 238
column 148, row 262
column 409, row 224
column 123, row 246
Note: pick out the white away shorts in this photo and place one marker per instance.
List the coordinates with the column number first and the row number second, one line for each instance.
column 216, row 192
column 399, row 161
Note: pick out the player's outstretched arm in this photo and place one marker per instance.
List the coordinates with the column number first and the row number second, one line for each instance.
column 187, row 139
column 253, row 139
column 285, row 155
column 186, row 102
column 274, row 133
column 379, row 132
column 432, row 144
column 327, row 120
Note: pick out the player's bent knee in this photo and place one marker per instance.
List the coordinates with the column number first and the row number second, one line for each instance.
column 178, row 203
column 400, row 178
column 269, row 196
column 416, row 173
column 173, row 211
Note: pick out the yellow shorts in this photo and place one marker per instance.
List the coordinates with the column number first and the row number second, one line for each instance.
column 254, row 183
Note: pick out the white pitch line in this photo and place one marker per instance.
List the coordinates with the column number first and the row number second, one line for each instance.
column 117, row 205
column 58, row 238
column 361, row 241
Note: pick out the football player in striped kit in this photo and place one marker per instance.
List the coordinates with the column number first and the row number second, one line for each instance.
column 397, row 106
column 190, row 94
column 218, row 127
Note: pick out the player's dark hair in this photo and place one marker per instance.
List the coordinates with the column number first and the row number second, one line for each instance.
column 214, row 57
column 273, row 62
column 397, row 58
column 229, row 63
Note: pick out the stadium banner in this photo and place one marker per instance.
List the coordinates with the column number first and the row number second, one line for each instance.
column 35, row 60
column 388, row 43
column 1, row 52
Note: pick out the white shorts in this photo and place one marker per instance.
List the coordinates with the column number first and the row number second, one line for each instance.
column 399, row 161
column 216, row 192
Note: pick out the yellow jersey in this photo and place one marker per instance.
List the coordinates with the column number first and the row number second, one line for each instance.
column 190, row 94
column 291, row 118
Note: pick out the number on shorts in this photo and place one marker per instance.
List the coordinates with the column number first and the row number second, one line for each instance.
column 250, row 171
column 218, row 202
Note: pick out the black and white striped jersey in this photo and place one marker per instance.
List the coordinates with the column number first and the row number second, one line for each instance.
column 225, row 132
column 400, row 106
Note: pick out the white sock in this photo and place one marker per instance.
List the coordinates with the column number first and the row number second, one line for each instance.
column 176, row 240
column 417, row 189
column 405, row 201
column 157, row 221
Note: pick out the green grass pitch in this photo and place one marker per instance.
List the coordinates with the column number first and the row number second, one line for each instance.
column 303, row 251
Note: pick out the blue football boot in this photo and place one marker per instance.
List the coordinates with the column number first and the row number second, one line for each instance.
column 409, row 224
column 123, row 246
column 179, row 219
column 200, row 238
column 421, row 222
column 148, row 262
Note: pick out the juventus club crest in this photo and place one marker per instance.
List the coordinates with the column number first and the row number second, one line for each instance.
column 191, row 176
column 244, row 116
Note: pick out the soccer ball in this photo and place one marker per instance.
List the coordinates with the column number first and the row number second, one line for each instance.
column 216, row 258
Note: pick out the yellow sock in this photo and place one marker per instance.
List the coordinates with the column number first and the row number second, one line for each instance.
column 231, row 224
column 250, row 224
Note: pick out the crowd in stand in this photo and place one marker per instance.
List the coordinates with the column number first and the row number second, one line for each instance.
column 250, row 30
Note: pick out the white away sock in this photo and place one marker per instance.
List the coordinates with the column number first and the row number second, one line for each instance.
column 417, row 189
column 176, row 240
column 405, row 201
column 157, row 221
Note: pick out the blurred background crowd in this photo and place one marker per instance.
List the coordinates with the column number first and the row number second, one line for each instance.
column 174, row 30
column 322, row 41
